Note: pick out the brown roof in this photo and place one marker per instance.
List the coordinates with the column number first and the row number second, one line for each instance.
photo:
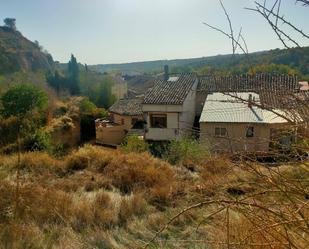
column 297, row 103
column 171, row 92
column 129, row 107
column 247, row 82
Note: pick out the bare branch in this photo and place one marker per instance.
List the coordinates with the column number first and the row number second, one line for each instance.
column 227, row 35
column 231, row 27
column 281, row 18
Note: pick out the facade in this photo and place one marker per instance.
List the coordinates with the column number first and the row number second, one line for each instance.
column 169, row 107
column 109, row 133
column 234, row 122
column 125, row 115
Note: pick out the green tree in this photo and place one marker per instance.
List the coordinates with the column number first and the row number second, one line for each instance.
column 73, row 76
column 21, row 100
column 56, row 81
column 10, row 23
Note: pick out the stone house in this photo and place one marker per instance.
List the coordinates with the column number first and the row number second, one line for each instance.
column 125, row 115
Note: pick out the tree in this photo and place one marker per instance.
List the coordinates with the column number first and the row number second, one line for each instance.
column 56, row 81
column 73, row 76
column 20, row 100
column 10, row 23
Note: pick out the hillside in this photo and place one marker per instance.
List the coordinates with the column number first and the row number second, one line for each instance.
column 103, row 198
column 297, row 58
column 17, row 53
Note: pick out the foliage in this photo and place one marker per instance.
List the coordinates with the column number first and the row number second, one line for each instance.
column 73, row 76
column 39, row 141
column 134, row 144
column 89, row 108
column 186, row 151
column 295, row 58
column 273, row 68
column 98, row 88
column 56, row 81
column 20, row 100
column 10, row 23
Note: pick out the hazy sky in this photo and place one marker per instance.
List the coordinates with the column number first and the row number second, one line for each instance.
column 114, row 31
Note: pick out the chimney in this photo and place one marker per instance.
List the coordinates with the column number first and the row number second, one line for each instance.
column 250, row 100
column 166, row 73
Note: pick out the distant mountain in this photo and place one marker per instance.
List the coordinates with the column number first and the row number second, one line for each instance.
column 297, row 58
column 17, row 53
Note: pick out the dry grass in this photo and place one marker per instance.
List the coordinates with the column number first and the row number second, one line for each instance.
column 101, row 198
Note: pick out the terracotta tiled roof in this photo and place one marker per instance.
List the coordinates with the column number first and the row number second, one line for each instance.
column 244, row 83
column 171, row 92
column 128, row 107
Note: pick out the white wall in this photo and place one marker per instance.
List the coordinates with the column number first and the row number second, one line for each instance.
column 180, row 118
column 187, row 116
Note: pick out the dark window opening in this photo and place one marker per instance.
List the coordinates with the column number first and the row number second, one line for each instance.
column 133, row 121
column 122, row 121
column 158, row 121
column 250, row 132
column 220, row 132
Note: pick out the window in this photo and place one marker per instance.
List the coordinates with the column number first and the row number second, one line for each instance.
column 158, row 121
column 122, row 121
column 250, row 132
column 220, row 132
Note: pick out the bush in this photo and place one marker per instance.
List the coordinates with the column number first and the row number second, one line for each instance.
column 39, row 141
column 186, row 151
column 139, row 172
column 131, row 206
column 33, row 162
column 88, row 156
column 134, row 144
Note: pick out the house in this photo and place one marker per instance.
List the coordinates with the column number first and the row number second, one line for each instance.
column 260, row 83
column 235, row 122
column 169, row 107
column 126, row 114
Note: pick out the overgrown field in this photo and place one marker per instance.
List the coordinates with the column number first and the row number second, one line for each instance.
column 103, row 198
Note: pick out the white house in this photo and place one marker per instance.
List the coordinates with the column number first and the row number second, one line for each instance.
column 169, row 107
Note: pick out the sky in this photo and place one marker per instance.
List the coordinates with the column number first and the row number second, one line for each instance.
column 117, row 31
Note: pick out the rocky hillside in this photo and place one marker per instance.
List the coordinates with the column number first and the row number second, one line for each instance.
column 17, row 53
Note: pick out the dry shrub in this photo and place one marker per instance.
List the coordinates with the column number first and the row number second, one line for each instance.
column 34, row 204
column 102, row 200
column 88, row 156
column 105, row 218
column 98, row 212
column 67, row 185
column 160, row 196
column 83, row 216
column 20, row 236
column 131, row 206
column 214, row 173
column 90, row 186
column 105, row 214
column 216, row 166
column 34, row 163
column 139, row 172
column 155, row 221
